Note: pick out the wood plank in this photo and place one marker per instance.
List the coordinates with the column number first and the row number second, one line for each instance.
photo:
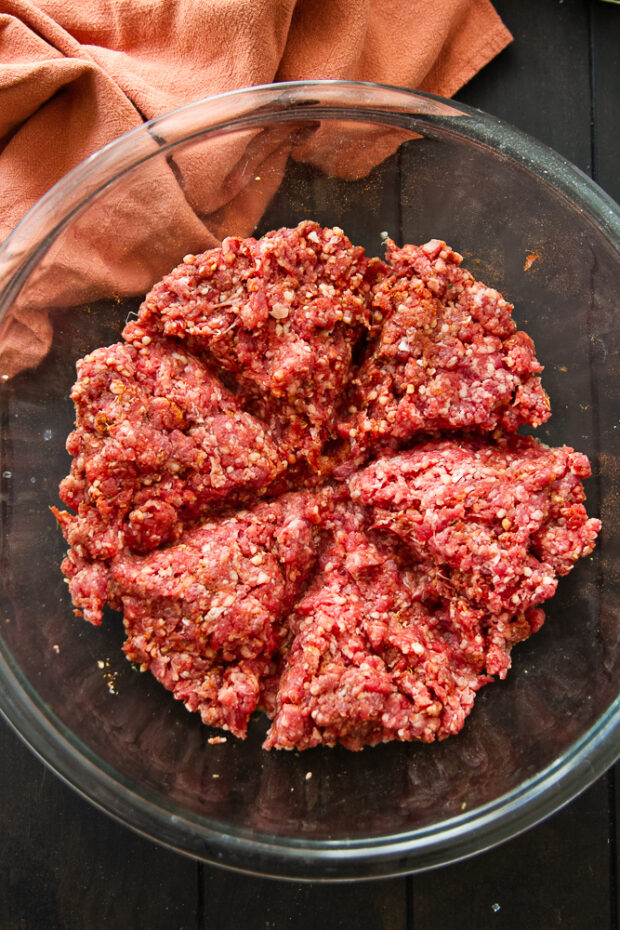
column 556, row 875
column 541, row 82
column 605, row 38
column 234, row 901
column 66, row 866
column 605, row 52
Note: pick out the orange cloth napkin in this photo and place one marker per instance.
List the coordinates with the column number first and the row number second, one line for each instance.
column 75, row 75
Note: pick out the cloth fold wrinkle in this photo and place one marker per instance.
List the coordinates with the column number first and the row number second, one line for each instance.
column 75, row 77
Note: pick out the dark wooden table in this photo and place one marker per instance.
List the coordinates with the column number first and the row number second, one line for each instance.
column 65, row 866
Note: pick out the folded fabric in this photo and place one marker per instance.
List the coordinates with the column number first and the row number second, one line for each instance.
column 74, row 76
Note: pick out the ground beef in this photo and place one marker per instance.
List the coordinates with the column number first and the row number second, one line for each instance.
column 493, row 522
column 206, row 616
column 278, row 317
column 447, row 356
column 210, row 609
column 372, row 658
column 374, row 601
column 158, row 442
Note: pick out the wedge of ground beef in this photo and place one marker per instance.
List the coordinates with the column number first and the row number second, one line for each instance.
column 372, row 659
column 447, row 356
column 253, row 486
column 493, row 522
column 158, row 442
column 206, row 615
column 279, row 317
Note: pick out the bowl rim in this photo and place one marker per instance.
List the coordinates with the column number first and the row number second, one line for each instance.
column 280, row 856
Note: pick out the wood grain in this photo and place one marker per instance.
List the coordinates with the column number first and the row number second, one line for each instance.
column 555, row 875
column 233, row 901
column 541, row 82
column 605, row 56
column 66, row 866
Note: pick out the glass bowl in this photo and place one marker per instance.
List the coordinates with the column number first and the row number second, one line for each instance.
column 370, row 159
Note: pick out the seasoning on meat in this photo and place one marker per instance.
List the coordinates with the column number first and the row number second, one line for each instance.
column 495, row 523
column 278, row 317
column 361, row 601
column 371, row 661
column 448, row 356
column 158, row 442
column 206, row 614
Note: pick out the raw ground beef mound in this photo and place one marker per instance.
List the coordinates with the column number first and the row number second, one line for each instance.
column 158, row 442
column 374, row 656
column 385, row 577
column 494, row 522
column 447, row 356
column 277, row 318
column 207, row 614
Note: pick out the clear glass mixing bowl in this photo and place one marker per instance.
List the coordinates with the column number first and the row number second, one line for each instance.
column 369, row 159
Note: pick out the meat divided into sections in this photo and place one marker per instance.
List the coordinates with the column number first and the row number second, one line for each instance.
column 298, row 478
